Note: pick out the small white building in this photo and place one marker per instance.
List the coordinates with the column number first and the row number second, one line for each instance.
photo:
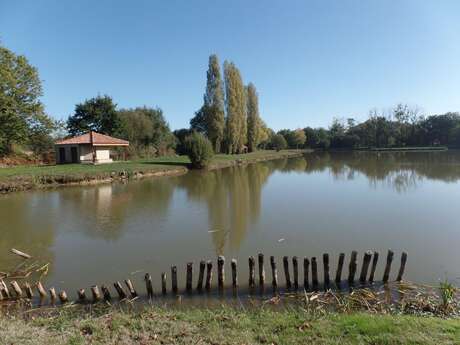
column 92, row 147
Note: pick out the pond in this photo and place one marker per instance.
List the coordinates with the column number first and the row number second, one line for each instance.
column 322, row 202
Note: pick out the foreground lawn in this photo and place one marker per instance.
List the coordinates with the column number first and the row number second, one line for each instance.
column 225, row 325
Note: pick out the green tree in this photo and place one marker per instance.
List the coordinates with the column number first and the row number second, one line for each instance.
column 199, row 150
column 278, row 142
column 20, row 107
column 236, row 129
column 97, row 114
column 214, row 104
column 147, row 131
column 253, row 118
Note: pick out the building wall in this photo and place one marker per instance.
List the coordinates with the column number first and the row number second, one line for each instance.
column 84, row 154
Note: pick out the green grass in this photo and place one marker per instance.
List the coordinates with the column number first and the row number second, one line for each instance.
column 226, row 325
column 27, row 177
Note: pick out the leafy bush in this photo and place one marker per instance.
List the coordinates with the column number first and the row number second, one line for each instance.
column 278, row 142
column 199, row 150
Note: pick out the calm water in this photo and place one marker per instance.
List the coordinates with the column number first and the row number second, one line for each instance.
column 324, row 202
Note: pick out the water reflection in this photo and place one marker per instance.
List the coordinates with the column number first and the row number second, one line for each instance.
column 318, row 202
column 401, row 171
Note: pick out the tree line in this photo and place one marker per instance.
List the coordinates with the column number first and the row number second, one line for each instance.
column 229, row 119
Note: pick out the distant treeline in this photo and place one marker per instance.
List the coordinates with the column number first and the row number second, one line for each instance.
column 229, row 118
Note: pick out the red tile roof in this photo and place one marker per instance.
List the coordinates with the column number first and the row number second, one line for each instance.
column 98, row 140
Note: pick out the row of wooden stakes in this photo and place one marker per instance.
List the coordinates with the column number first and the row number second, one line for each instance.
column 370, row 260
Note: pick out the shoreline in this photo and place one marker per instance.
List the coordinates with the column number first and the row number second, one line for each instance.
column 125, row 171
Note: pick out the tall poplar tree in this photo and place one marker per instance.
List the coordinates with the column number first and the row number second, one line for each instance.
column 214, row 104
column 254, row 122
column 236, row 130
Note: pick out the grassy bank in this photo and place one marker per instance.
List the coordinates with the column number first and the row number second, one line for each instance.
column 28, row 177
column 224, row 325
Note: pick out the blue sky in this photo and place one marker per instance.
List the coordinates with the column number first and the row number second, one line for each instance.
column 310, row 60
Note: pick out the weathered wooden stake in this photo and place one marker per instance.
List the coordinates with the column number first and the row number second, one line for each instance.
column 148, row 285
column 234, row 274
column 28, row 289
column 81, row 295
column 199, row 285
column 96, row 293
column 131, row 289
column 352, row 267
column 63, row 297
column 106, row 293
column 41, row 290
column 386, row 274
column 274, row 274
column 208, row 284
column 163, row 283
column 16, row 288
column 53, row 295
column 338, row 274
column 286, row 272
column 306, row 265
column 402, row 267
column 314, row 274
column 295, row 268
column 261, row 272
column 4, row 289
column 252, row 273
column 121, row 293
column 326, row 270
column 375, row 259
column 189, row 277
column 220, row 272
column 174, row 279
column 365, row 267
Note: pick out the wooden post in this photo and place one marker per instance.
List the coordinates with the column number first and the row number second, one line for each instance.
column 121, row 293
column 326, row 270
column 286, row 272
column 274, row 274
column 199, row 285
column 352, row 267
column 163, row 283
column 252, row 273
column 220, row 272
column 106, row 293
column 295, row 268
column 189, row 277
column 16, row 288
column 306, row 265
column 261, row 272
column 174, row 279
column 96, row 293
column 375, row 259
column 41, row 290
column 63, row 297
column 53, row 295
column 234, row 274
column 386, row 274
column 338, row 274
column 131, row 289
column 4, row 289
column 148, row 285
column 81, row 295
column 314, row 274
column 208, row 276
column 365, row 267
column 28, row 289
column 402, row 267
